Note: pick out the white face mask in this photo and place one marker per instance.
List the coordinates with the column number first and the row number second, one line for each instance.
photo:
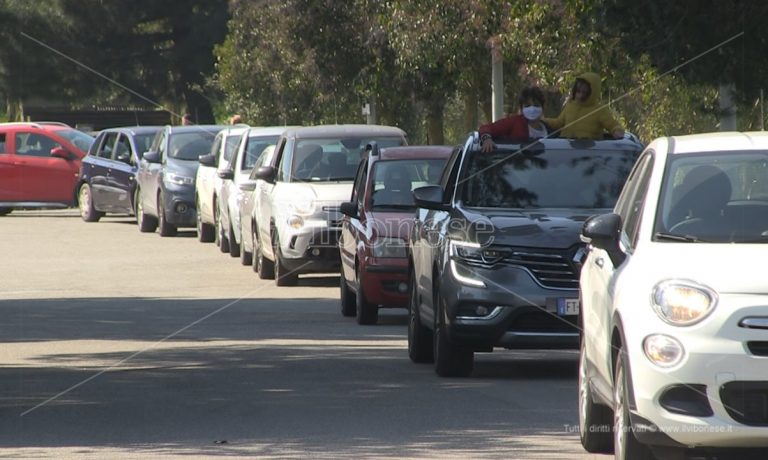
column 532, row 112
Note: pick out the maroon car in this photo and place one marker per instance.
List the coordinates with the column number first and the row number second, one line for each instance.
column 376, row 226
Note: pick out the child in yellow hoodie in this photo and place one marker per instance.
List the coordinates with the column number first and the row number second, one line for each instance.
column 584, row 116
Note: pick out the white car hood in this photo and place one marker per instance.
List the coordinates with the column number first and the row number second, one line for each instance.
column 325, row 192
column 727, row 268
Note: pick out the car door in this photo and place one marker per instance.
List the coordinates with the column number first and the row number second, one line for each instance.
column 265, row 203
column 149, row 174
column 598, row 286
column 9, row 180
column 121, row 176
column 350, row 226
column 98, row 170
column 42, row 177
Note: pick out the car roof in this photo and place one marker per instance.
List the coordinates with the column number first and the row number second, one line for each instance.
column 192, row 128
column 330, row 131
column 580, row 144
column 44, row 125
column 411, row 152
column 716, row 142
column 133, row 130
column 267, row 130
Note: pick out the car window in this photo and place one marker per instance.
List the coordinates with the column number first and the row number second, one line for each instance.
column 264, row 159
column 106, row 147
column 216, row 147
column 230, row 146
column 359, row 186
column 190, row 145
column 159, row 144
column 123, row 147
column 546, row 178
column 143, row 143
column 34, row 144
column 2, row 142
column 284, row 159
column 362, row 184
column 450, row 172
column 332, row 159
column 632, row 199
column 77, row 138
column 254, row 148
column 394, row 180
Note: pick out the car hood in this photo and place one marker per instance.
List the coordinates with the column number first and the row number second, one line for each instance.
column 543, row 228
column 392, row 224
column 328, row 192
column 726, row 268
column 182, row 167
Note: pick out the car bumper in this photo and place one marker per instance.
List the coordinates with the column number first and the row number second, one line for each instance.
column 179, row 205
column 726, row 366
column 385, row 282
column 310, row 249
column 519, row 312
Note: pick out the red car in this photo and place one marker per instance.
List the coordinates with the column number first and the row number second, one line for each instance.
column 39, row 165
column 376, row 227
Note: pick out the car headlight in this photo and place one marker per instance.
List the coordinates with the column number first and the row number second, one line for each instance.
column 386, row 247
column 178, row 179
column 682, row 302
column 465, row 250
column 295, row 221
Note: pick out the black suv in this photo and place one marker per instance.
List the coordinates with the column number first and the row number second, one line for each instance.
column 494, row 248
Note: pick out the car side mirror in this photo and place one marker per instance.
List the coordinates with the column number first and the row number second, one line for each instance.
column 208, row 160
column 266, row 173
column 349, row 209
column 60, row 152
column 226, row 174
column 152, row 156
column 430, row 197
column 248, row 185
column 603, row 232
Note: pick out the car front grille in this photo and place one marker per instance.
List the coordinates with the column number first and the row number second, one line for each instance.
column 758, row 348
column 552, row 268
column 746, row 402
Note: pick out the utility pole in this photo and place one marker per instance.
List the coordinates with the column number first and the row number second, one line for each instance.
column 497, row 78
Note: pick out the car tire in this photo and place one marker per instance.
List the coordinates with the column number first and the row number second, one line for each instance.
column 85, row 203
column 283, row 276
column 220, row 236
column 595, row 420
column 625, row 444
column 263, row 267
column 206, row 233
column 5, row 211
column 348, row 301
column 420, row 348
column 451, row 360
column 146, row 223
column 234, row 248
column 367, row 313
column 166, row 228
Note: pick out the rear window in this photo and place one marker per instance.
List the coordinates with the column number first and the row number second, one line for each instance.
column 545, row 178
column 326, row 160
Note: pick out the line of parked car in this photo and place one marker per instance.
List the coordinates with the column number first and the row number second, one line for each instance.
column 647, row 258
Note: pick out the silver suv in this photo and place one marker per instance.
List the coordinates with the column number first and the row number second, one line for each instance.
column 297, row 214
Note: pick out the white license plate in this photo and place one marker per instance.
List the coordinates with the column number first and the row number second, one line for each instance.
column 567, row 307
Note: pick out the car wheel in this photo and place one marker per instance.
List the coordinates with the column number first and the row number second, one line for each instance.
column 283, row 276
column 234, row 248
column 420, row 348
column 166, row 228
column 85, row 202
column 220, row 236
column 147, row 224
column 5, row 211
column 348, row 301
column 594, row 419
column 626, row 446
column 264, row 267
column 451, row 360
column 205, row 232
column 367, row 313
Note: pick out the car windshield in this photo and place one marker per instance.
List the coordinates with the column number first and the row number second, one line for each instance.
column 143, row 143
column 256, row 145
column 719, row 197
column 393, row 181
column 535, row 177
column 77, row 138
column 189, row 146
column 326, row 160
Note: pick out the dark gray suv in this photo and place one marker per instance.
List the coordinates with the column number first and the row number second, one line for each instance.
column 493, row 248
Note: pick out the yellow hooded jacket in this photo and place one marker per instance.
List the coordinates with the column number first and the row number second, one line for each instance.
column 588, row 119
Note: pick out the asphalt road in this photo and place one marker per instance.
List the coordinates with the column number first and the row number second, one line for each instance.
column 117, row 344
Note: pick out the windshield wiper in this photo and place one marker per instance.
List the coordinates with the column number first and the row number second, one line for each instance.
column 676, row 237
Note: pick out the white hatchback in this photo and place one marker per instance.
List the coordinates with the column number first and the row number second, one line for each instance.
column 674, row 303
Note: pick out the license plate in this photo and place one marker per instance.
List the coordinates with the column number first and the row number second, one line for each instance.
column 567, row 307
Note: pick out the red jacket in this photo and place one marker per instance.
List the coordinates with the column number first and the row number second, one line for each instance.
column 513, row 126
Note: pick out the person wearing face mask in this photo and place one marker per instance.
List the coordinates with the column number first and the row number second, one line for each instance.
column 584, row 116
column 520, row 127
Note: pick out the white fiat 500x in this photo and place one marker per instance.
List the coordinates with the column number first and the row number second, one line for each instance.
column 674, row 304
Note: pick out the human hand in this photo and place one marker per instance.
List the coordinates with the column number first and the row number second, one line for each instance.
column 487, row 146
